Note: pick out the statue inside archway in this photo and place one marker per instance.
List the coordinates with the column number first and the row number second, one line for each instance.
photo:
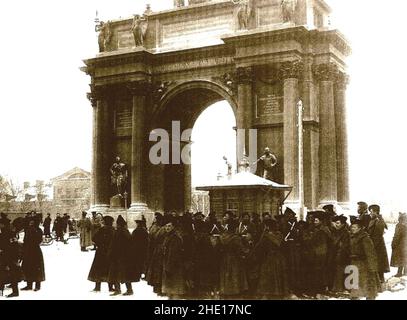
column 267, row 161
column 119, row 176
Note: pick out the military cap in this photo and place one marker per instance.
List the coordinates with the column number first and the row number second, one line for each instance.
column 340, row 218
column 374, row 207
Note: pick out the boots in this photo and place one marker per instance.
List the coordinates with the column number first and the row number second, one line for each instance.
column 129, row 291
column 29, row 287
column 37, row 286
column 117, row 290
column 15, row 292
column 97, row 287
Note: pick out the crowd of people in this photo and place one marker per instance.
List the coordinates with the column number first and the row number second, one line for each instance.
column 192, row 256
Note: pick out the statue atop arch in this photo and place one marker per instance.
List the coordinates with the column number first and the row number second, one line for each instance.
column 139, row 29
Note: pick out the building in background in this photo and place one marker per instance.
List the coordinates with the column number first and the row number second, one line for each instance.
column 71, row 192
column 68, row 193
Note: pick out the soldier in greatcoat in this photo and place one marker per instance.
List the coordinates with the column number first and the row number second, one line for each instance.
column 10, row 270
column 174, row 281
column 85, row 226
column 376, row 230
column 318, row 239
column 99, row 272
column 340, row 254
column 155, row 259
column 33, row 261
column 272, row 276
column 399, row 246
column 292, row 250
column 119, row 257
column 233, row 278
column 139, row 250
column 363, row 258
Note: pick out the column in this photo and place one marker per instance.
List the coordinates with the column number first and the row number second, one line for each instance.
column 100, row 185
column 311, row 136
column 138, row 91
column 291, row 72
column 245, row 111
column 326, row 74
column 342, row 139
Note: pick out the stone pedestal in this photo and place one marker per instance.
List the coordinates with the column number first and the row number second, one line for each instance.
column 117, row 202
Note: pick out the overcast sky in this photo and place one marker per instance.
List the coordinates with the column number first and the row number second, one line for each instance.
column 46, row 119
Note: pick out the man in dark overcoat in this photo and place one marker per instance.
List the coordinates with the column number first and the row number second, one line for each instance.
column 376, row 230
column 174, row 281
column 340, row 254
column 99, row 272
column 47, row 226
column 33, row 260
column 139, row 250
column 119, row 257
column 363, row 258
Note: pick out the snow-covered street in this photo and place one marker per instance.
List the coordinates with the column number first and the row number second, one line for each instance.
column 67, row 271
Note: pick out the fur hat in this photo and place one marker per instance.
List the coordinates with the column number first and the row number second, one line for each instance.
column 120, row 221
column 108, row 220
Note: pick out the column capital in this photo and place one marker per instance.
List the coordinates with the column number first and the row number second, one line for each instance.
column 291, row 70
column 97, row 93
column 325, row 72
column 341, row 81
column 244, row 75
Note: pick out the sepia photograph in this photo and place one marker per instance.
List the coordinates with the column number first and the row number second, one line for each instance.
column 203, row 150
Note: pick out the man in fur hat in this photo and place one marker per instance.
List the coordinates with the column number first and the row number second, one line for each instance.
column 339, row 255
column 120, row 250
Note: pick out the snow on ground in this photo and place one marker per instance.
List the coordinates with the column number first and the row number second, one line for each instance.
column 67, row 270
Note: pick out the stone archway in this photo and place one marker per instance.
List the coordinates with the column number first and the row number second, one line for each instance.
column 170, row 185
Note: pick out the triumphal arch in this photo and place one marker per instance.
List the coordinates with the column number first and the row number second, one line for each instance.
column 261, row 56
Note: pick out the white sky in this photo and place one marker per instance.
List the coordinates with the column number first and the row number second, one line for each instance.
column 46, row 119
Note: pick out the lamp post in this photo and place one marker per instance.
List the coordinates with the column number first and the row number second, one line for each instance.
column 300, row 108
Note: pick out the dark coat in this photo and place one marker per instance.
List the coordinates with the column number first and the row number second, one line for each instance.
column 293, row 254
column 363, row 257
column 399, row 246
column 33, row 260
column 376, row 231
column 99, row 272
column 340, row 258
column 119, row 256
column 173, row 276
column 233, row 280
column 318, row 242
column 47, row 226
column 272, row 280
column 138, row 254
column 10, row 270
column 206, row 263
column 155, row 259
